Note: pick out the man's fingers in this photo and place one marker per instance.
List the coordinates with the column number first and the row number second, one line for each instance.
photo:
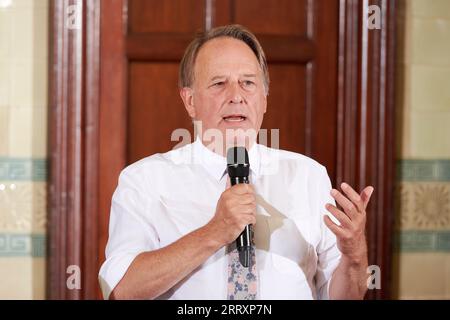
column 347, row 205
column 366, row 194
column 353, row 196
column 337, row 230
column 245, row 209
column 247, row 199
column 339, row 215
column 242, row 188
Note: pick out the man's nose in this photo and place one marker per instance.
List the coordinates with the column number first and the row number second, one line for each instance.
column 235, row 94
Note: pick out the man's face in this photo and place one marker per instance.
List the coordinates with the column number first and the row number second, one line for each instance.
column 228, row 90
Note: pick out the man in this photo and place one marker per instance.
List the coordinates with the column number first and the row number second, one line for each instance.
column 174, row 216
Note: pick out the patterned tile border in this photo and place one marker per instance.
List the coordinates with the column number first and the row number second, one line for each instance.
column 421, row 173
column 423, row 170
column 422, row 241
column 22, row 245
column 23, row 169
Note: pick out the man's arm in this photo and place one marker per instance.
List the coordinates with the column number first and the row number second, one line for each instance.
column 153, row 273
column 349, row 280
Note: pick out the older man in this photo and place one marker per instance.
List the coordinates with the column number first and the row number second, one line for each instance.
column 174, row 217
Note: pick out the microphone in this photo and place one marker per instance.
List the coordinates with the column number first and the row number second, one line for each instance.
column 238, row 168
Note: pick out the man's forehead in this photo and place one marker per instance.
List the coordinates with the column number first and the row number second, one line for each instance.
column 220, row 51
column 241, row 66
column 222, row 66
column 218, row 70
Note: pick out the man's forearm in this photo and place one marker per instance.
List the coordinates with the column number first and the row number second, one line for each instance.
column 153, row 273
column 349, row 280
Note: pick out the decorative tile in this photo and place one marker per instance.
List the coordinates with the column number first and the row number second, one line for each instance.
column 422, row 241
column 423, row 170
column 423, row 206
column 23, row 207
column 22, row 245
column 402, row 204
column 22, row 169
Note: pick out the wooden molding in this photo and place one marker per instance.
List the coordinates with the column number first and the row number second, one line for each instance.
column 286, row 49
column 73, row 141
column 366, row 122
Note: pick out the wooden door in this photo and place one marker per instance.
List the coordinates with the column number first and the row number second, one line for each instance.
column 294, row 33
column 319, row 99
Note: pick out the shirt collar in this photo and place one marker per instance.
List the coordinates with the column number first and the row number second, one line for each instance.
column 215, row 164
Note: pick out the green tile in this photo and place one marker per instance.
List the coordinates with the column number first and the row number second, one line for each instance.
column 422, row 241
column 22, row 245
column 22, row 169
column 423, row 170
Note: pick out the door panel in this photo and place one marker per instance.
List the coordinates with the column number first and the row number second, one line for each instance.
column 270, row 17
column 153, row 16
column 155, row 109
column 286, row 105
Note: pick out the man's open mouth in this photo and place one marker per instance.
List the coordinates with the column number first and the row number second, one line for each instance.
column 234, row 118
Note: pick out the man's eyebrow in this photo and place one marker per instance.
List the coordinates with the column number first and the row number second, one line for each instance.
column 216, row 78
column 246, row 75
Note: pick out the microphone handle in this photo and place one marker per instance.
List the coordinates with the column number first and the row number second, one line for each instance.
column 243, row 242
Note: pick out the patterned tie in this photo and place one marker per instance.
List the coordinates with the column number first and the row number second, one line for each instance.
column 242, row 281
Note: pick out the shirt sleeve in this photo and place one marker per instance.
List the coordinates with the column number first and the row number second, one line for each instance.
column 327, row 250
column 130, row 230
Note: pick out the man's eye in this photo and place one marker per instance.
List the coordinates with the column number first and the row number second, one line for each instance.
column 248, row 83
column 218, row 84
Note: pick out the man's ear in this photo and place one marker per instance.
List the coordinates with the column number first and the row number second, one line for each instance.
column 265, row 103
column 187, row 94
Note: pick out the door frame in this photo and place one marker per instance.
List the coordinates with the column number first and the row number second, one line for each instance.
column 87, row 131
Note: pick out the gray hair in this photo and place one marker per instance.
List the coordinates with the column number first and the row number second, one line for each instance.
column 186, row 72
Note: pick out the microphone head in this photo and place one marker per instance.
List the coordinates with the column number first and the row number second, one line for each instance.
column 238, row 164
column 237, row 155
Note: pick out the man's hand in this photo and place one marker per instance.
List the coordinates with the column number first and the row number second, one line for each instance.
column 350, row 234
column 349, row 280
column 235, row 209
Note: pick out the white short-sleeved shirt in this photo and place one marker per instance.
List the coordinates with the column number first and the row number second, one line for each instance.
column 161, row 198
